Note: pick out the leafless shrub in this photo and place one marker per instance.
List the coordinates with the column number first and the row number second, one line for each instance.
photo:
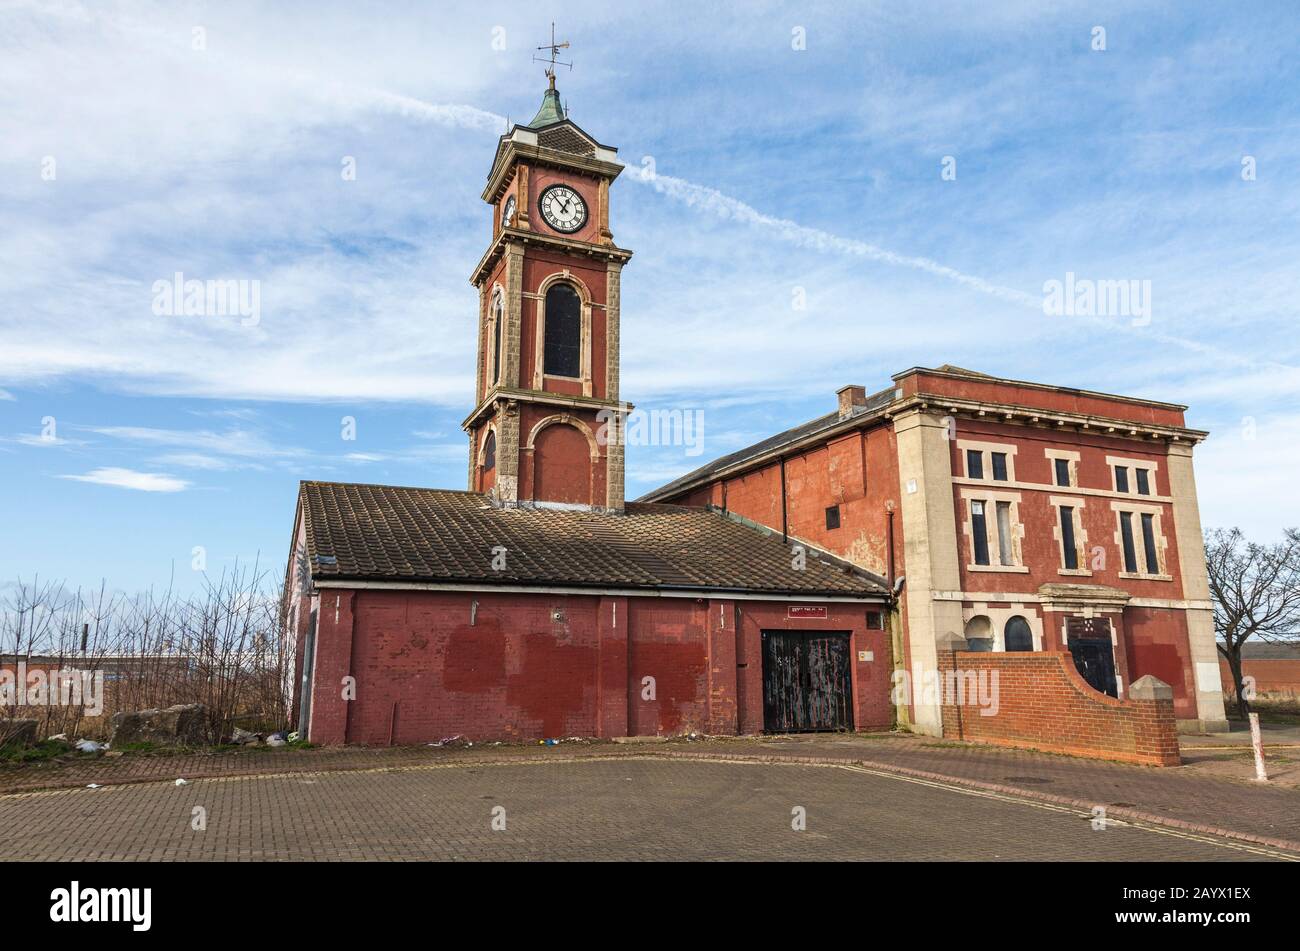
column 223, row 647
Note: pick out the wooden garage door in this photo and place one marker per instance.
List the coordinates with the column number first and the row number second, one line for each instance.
column 807, row 684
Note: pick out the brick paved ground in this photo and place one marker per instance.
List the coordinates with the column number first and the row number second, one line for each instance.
column 627, row 808
column 1193, row 794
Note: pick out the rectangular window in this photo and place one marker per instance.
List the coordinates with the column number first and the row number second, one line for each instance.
column 1143, row 479
column 1062, row 471
column 875, row 620
column 974, row 464
column 1000, row 466
column 1004, row 532
column 979, row 531
column 1067, row 538
column 1149, row 543
column 1126, row 536
column 833, row 517
column 1121, row 478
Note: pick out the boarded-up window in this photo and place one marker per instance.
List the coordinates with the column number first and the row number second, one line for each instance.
column 1068, row 550
column 563, row 355
column 1126, row 538
column 1004, row 533
column 979, row 533
column 1149, row 543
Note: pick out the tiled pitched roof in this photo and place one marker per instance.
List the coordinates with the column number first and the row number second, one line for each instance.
column 874, row 403
column 387, row 533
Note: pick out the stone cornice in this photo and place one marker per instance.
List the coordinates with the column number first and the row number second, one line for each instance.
column 1048, row 419
column 540, row 156
column 512, row 394
column 508, row 236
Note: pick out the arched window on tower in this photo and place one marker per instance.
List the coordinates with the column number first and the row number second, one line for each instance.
column 490, row 452
column 498, row 315
column 563, row 353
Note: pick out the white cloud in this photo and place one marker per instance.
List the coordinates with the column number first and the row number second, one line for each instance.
column 131, row 479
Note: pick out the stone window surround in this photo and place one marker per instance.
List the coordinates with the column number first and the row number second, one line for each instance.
column 990, row 498
column 564, row 276
column 1139, row 548
column 1080, row 535
column 496, row 314
column 1151, row 466
column 998, row 618
column 986, row 449
column 1069, row 456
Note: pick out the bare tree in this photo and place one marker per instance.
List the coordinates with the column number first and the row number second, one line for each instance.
column 223, row 646
column 1256, row 591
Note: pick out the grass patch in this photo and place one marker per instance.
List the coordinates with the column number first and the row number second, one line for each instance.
column 1283, row 711
column 44, row 750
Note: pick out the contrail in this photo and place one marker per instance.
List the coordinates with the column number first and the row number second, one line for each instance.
column 724, row 206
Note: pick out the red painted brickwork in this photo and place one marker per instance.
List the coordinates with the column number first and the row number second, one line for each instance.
column 424, row 670
column 1042, row 703
column 1048, row 398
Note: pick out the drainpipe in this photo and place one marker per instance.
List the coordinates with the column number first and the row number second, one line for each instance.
column 889, row 542
column 785, row 526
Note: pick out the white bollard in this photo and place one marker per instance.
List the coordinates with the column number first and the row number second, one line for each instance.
column 1257, row 741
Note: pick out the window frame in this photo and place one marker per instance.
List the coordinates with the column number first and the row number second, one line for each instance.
column 984, row 451
column 547, row 326
column 1079, row 532
column 991, row 539
column 1160, row 539
column 1071, row 459
column 1151, row 468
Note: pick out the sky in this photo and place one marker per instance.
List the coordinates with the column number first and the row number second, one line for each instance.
column 816, row 195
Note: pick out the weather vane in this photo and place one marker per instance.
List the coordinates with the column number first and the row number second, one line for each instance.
column 554, row 49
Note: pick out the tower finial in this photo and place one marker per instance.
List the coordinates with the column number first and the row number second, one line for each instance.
column 554, row 49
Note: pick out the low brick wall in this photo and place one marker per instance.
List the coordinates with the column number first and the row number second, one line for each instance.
column 1041, row 702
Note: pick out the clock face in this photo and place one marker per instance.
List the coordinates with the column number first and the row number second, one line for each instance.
column 563, row 208
column 508, row 212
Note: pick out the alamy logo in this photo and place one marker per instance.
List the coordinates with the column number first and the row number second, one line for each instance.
column 103, row 904
column 194, row 298
column 1083, row 297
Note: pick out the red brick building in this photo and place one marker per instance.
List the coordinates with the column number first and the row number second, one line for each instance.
column 537, row 604
column 778, row 588
column 1018, row 515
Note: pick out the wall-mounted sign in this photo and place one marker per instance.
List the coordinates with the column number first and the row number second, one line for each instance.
column 805, row 611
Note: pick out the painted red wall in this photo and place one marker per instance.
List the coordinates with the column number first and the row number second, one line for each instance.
column 424, row 671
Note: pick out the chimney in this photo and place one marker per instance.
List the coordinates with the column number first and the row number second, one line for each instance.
column 852, row 398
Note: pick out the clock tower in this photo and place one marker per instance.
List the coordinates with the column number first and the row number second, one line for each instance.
column 547, row 423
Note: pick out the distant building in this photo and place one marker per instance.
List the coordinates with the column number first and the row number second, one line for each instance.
column 1275, row 668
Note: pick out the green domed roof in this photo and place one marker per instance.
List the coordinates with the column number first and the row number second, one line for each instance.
column 552, row 110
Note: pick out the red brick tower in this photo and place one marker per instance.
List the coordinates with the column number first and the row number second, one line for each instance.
column 547, row 414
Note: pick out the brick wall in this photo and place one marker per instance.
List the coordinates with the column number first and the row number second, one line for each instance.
column 503, row 666
column 1041, row 702
column 1271, row 675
